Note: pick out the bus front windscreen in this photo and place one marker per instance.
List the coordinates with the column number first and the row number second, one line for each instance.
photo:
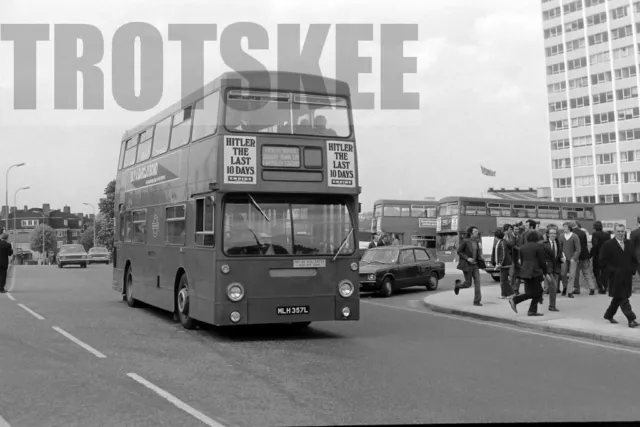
column 259, row 225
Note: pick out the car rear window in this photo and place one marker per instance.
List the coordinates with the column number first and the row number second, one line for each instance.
column 74, row 248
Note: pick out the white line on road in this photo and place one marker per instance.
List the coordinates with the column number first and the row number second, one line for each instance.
column 497, row 325
column 177, row 402
column 80, row 343
column 10, row 296
column 3, row 422
column 31, row 312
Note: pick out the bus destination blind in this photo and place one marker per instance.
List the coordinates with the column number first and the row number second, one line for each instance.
column 280, row 157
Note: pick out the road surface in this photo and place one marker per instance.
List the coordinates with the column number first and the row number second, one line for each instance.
column 74, row 354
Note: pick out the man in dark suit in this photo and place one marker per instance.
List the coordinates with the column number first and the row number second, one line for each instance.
column 470, row 256
column 598, row 238
column 583, row 262
column 635, row 239
column 501, row 258
column 5, row 253
column 533, row 270
column 553, row 257
column 618, row 257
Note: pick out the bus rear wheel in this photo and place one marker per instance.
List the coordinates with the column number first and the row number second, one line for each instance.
column 182, row 304
column 128, row 289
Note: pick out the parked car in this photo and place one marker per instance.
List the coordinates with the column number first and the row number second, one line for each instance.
column 387, row 268
column 98, row 255
column 72, row 254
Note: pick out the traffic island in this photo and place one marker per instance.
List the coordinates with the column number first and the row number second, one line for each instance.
column 581, row 316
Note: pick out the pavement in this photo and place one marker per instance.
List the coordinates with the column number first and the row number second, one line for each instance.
column 74, row 354
column 581, row 316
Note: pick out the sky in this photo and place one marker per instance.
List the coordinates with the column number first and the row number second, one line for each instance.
column 480, row 76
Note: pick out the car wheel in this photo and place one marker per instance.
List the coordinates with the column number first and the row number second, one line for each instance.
column 182, row 304
column 59, row 265
column 128, row 289
column 432, row 285
column 387, row 287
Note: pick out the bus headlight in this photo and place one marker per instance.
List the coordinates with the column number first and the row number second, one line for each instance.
column 354, row 266
column 225, row 269
column 234, row 316
column 346, row 312
column 235, row 292
column 345, row 288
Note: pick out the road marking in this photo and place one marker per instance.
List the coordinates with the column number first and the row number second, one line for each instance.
column 3, row 422
column 510, row 328
column 177, row 402
column 80, row 343
column 13, row 277
column 10, row 297
column 28, row 310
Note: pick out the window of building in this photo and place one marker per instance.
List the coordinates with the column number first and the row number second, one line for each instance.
column 139, row 226
column 554, row 50
column 627, row 93
column 622, row 32
column 561, row 163
column 605, row 159
column 597, row 58
column 579, row 102
column 628, row 113
column 594, row 39
column 629, row 156
column 582, row 141
column 572, row 7
column 557, row 87
column 582, row 161
column 629, row 135
column 630, row 177
column 176, row 225
column 625, row 73
column 622, row 52
column 601, row 78
column 608, row 179
column 591, row 3
column 204, row 222
column 581, row 121
column 585, row 181
column 602, row 98
column 560, row 144
column 605, row 138
column 606, row 117
column 576, row 44
column 619, row 12
column 557, row 106
column 609, row 198
column 553, row 32
column 551, row 13
column 562, row 183
column 559, row 125
column 597, row 18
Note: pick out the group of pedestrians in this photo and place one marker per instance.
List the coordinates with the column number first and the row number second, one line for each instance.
column 544, row 259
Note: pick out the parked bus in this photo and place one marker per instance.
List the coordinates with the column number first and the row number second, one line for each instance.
column 414, row 221
column 456, row 214
column 238, row 204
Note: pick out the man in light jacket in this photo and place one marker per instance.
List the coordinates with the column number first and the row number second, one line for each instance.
column 501, row 258
column 570, row 254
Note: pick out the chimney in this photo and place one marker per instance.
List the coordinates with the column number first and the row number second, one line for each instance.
column 4, row 211
column 80, row 215
column 67, row 210
column 26, row 208
column 46, row 207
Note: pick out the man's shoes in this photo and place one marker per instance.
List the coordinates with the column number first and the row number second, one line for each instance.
column 564, row 292
column 612, row 320
column 534, row 314
column 553, row 309
column 602, row 291
column 457, row 289
column 477, row 304
column 570, row 296
column 633, row 324
column 576, row 292
column 512, row 303
column 592, row 292
column 3, row 291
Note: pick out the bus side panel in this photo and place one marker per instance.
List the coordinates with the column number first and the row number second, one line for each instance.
column 200, row 264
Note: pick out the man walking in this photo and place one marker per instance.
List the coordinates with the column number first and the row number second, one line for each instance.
column 570, row 253
column 501, row 258
column 533, row 270
column 583, row 262
column 618, row 256
column 470, row 253
column 553, row 257
column 5, row 252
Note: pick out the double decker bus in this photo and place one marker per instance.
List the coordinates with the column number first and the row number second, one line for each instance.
column 414, row 221
column 456, row 214
column 238, row 205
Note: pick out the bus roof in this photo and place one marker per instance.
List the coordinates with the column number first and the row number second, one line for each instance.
column 406, row 202
column 282, row 81
column 512, row 201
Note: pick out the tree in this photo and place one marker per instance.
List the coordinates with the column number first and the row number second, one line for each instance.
column 87, row 238
column 104, row 225
column 51, row 244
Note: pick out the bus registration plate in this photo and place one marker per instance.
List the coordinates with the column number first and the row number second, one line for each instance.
column 309, row 263
column 292, row 310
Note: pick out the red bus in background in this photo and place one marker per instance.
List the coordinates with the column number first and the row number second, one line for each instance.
column 456, row 214
column 414, row 221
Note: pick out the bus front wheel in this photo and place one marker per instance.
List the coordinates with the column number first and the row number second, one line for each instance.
column 182, row 304
column 128, row 290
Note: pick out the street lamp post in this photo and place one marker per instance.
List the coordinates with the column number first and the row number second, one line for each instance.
column 15, row 195
column 94, row 222
column 43, row 236
column 6, row 193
